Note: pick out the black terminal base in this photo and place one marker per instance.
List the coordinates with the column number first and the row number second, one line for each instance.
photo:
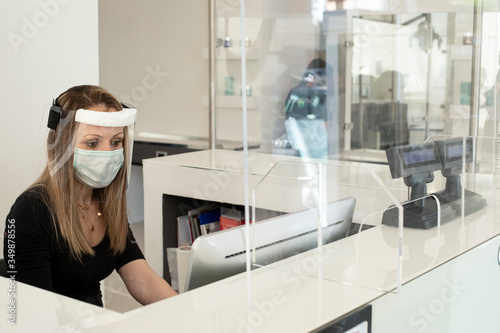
column 420, row 214
column 473, row 202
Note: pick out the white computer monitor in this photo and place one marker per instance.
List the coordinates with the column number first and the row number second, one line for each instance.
column 223, row 254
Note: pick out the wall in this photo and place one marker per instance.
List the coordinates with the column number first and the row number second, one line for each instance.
column 151, row 56
column 46, row 46
column 171, row 38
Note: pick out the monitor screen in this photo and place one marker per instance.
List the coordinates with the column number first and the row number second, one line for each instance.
column 452, row 152
column 223, row 254
column 457, row 150
column 419, row 156
column 414, row 159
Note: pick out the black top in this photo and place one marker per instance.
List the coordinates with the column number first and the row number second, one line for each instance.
column 43, row 260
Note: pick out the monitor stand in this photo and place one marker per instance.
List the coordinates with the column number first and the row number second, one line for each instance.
column 452, row 195
column 419, row 215
column 421, row 211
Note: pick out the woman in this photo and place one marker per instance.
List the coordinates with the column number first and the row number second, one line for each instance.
column 70, row 226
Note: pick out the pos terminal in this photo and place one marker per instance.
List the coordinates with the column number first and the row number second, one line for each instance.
column 455, row 153
column 416, row 164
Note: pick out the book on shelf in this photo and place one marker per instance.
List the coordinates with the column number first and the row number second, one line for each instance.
column 226, row 223
column 231, row 217
column 210, row 228
column 184, row 236
column 193, row 216
column 209, row 221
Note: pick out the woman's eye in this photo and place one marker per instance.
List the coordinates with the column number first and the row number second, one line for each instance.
column 92, row 144
column 116, row 143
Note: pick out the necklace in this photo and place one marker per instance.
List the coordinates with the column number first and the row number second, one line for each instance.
column 84, row 214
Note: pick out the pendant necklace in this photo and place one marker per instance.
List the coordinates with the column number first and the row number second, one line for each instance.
column 84, row 214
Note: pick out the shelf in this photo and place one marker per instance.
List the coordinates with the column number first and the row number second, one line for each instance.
column 223, row 101
column 232, row 53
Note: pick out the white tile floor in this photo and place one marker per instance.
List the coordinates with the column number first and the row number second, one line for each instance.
column 116, row 295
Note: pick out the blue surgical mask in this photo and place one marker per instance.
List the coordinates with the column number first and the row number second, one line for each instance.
column 97, row 168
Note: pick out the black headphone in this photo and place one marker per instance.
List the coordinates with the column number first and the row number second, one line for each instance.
column 55, row 114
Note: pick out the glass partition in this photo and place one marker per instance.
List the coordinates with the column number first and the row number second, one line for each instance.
column 368, row 84
column 349, row 223
column 346, row 80
column 381, row 114
column 328, row 209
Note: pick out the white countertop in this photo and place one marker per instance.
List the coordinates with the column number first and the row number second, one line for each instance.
column 284, row 297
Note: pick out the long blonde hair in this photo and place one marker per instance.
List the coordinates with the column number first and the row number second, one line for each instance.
column 59, row 182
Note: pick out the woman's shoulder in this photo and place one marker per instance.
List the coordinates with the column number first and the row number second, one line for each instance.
column 36, row 194
column 31, row 220
column 31, row 203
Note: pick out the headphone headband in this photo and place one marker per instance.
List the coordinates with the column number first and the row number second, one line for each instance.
column 55, row 114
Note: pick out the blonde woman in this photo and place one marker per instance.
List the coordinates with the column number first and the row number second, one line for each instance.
column 70, row 226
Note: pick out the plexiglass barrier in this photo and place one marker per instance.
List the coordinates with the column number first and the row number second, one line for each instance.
column 376, row 226
column 328, row 207
column 463, row 184
column 399, row 88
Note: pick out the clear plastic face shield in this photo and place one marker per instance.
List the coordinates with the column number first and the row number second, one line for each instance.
column 91, row 149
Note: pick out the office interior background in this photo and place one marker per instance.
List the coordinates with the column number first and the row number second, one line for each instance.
column 401, row 71
column 154, row 55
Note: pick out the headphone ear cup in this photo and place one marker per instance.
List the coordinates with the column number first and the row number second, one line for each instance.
column 54, row 117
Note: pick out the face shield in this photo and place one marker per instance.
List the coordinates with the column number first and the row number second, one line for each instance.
column 94, row 147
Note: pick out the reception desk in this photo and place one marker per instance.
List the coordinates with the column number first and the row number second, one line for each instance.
column 367, row 266
column 401, row 280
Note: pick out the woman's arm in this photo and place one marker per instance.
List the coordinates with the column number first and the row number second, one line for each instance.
column 143, row 283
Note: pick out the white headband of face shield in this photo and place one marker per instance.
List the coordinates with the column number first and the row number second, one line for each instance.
column 125, row 117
